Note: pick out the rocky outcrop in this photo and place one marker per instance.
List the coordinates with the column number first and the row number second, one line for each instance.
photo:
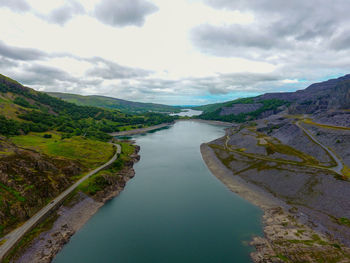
column 286, row 240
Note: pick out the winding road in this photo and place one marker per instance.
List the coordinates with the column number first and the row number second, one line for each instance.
column 338, row 169
column 15, row 236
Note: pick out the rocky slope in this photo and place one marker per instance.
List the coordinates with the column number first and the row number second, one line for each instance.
column 280, row 159
column 74, row 214
column 329, row 95
column 28, row 181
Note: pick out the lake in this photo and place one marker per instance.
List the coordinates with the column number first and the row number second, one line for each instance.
column 174, row 210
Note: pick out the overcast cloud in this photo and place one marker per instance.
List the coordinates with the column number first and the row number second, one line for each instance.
column 174, row 52
column 15, row 5
column 124, row 12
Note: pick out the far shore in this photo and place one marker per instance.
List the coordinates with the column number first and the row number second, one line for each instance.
column 141, row 130
column 163, row 125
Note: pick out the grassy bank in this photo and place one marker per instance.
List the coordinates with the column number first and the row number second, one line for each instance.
column 87, row 151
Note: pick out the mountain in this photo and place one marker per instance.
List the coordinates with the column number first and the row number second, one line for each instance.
column 23, row 110
column 332, row 94
column 113, row 103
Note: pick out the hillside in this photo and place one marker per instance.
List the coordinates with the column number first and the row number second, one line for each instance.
column 113, row 103
column 24, row 110
column 47, row 144
column 328, row 95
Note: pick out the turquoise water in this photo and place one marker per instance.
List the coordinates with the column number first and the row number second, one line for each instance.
column 173, row 210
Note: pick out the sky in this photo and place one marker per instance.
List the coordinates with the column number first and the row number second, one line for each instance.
column 183, row 52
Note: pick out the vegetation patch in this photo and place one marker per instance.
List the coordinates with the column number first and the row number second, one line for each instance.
column 344, row 221
column 99, row 181
column 88, row 152
column 268, row 105
column 309, row 121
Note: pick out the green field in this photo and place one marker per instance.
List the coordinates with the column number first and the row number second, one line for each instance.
column 89, row 152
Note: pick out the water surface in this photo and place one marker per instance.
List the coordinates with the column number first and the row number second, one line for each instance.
column 188, row 113
column 172, row 211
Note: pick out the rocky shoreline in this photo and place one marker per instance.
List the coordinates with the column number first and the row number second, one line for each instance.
column 72, row 216
column 288, row 236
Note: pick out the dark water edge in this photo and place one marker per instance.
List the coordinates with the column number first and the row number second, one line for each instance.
column 173, row 210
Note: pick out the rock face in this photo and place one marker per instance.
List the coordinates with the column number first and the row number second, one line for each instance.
column 331, row 94
column 240, row 108
column 27, row 181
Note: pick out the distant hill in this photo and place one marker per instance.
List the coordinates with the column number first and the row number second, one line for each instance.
column 24, row 110
column 328, row 95
column 113, row 103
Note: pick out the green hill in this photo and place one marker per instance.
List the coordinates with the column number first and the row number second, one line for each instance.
column 24, row 110
column 113, row 103
column 241, row 110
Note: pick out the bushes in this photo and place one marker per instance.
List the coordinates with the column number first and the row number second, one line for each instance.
column 23, row 102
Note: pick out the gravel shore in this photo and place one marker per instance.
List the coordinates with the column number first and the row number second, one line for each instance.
column 288, row 236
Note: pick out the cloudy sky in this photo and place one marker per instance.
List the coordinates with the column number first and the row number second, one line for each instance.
column 183, row 52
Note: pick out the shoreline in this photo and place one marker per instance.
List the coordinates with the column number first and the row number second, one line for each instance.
column 141, row 130
column 219, row 123
column 71, row 217
column 163, row 125
column 288, row 236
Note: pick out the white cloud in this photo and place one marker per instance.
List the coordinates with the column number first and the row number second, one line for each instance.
column 172, row 51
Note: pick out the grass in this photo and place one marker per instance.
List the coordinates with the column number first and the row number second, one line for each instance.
column 288, row 150
column 89, row 152
column 3, row 242
column 309, row 121
column 131, row 127
column 282, row 257
column 344, row 221
column 97, row 182
column 346, row 171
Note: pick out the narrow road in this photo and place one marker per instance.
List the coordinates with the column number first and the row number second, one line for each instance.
column 13, row 237
column 338, row 169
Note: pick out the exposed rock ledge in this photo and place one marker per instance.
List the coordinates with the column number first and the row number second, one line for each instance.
column 73, row 216
column 288, row 236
